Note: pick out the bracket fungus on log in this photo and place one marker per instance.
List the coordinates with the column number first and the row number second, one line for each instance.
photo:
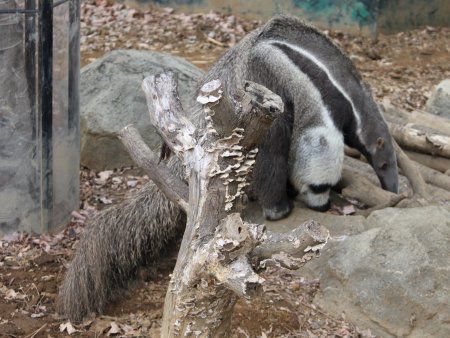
column 219, row 250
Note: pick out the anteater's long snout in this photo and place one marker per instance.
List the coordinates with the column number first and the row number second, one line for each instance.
column 389, row 179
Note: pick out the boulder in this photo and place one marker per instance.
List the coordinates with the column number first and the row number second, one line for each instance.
column 111, row 98
column 389, row 273
column 439, row 102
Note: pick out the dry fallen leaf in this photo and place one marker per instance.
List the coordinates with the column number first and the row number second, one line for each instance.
column 105, row 200
column 67, row 327
column 10, row 294
column 103, row 176
column 348, row 209
column 115, row 329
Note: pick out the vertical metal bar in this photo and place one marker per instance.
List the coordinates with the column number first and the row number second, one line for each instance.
column 376, row 14
column 74, row 66
column 30, row 63
column 46, row 110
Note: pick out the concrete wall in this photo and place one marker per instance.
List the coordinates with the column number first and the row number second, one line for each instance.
column 349, row 15
column 398, row 15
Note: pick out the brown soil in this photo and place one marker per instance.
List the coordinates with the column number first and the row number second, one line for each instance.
column 285, row 311
column 32, row 268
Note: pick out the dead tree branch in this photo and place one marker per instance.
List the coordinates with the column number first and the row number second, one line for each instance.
column 399, row 116
column 434, row 177
column 167, row 114
column 412, row 172
column 214, row 265
column 299, row 240
column 418, row 138
column 395, row 201
column 172, row 186
column 357, row 186
column 438, row 163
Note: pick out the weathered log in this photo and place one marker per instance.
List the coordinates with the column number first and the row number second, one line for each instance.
column 438, row 163
column 431, row 176
column 434, row 177
column 352, row 152
column 400, row 116
column 441, row 164
column 358, row 187
column 250, row 98
column 174, row 127
column 418, row 131
column 171, row 185
column 411, row 171
column 213, row 266
column 363, row 168
column 296, row 241
column 438, row 194
column 417, row 138
column 395, row 201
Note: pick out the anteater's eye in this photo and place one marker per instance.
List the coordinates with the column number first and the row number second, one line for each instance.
column 380, row 143
column 383, row 166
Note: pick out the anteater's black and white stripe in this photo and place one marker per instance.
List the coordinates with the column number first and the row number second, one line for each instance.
column 326, row 104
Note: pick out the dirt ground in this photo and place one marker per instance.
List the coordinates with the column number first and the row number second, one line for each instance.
column 402, row 68
column 32, row 268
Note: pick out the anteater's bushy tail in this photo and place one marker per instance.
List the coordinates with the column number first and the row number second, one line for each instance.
column 118, row 241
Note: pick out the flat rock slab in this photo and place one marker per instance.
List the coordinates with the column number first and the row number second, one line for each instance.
column 439, row 102
column 389, row 272
column 111, row 98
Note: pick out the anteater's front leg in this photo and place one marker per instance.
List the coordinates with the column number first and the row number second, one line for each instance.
column 271, row 170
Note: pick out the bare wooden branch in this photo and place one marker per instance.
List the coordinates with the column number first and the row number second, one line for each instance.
column 212, row 266
column 358, row 187
column 254, row 108
column 395, row 201
column 418, row 138
column 174, row 188
column 418, row 131
column 166, row 112
column 365, row 169
column 437, row 183
column 352, row 152
column 438, row 163
column 229, row 263
column 213, row 98
column 411, row 171
column 263, row 107
column 434, row 177
column 295, row 242
column 399, row 116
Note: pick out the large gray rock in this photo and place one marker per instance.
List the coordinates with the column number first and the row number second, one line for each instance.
column 392, row 277
column 439, row 102
column 111, row 98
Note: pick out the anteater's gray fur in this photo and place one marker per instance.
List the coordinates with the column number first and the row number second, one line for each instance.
column 325, row 106
column 116, row 242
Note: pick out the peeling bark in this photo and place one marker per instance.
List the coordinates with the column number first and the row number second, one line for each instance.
column 172, row 186
column 421, row 139
column 399, row 116
column 356, row 186
column 219, row 250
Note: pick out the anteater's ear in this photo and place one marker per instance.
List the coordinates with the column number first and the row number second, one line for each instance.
column 380, row 143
